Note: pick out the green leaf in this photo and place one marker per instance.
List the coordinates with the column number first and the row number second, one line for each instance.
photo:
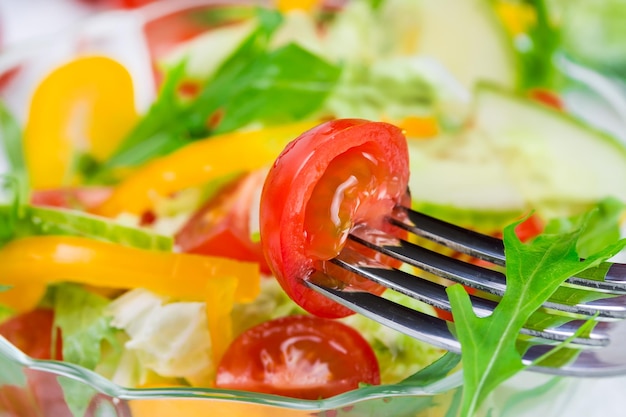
column 534, row 272
column 11, row 139
column 80, row 315
column 165, row 111
column 170, row 122
column 35, row 221
column 538, row 69
column 284, row 85
column 254, row 85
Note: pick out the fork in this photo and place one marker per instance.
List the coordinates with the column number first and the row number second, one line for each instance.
column 600, row 352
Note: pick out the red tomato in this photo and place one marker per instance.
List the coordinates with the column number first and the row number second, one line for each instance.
column 298, row 356
column 330, row 180
column 222, row 226
column 529, row 228
column 32, row 333
column 79, row 198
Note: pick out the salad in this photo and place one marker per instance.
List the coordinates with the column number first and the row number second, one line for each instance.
column 163, row 245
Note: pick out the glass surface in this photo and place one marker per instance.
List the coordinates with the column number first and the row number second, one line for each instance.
column 73, row 391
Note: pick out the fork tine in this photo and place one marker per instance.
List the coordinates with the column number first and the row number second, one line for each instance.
column 435, row 295
column 413, row 323
column 463, row 240
column 487, row 247
column 422, row 326
column 484, row 279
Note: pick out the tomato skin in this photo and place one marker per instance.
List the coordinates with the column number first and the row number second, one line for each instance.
column 299, row 356
column 289, row 188
column 222, row 226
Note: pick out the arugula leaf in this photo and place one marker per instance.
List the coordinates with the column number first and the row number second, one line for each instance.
column 534, row 272
column 80, row 314
column 284, row 85
column 255, row 85
column 148, row 137
column 35, row 221
column 11, row 139
column 170, row 122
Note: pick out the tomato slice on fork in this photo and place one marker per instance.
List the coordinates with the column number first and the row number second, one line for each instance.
column 332, row 179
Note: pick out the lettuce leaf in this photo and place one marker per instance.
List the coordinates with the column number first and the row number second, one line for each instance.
column 79, row 314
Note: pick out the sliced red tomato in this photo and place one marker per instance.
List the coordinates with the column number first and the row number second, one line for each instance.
column 82, row 198
column 298, row 356
column 332, row 179
column 222, row 226
column 42, row 396
column 32, row 333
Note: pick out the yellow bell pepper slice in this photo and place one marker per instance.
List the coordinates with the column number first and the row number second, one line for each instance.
column 289, row 5
column 220, row 297
column 517, row 17
column 41, row 260
column 84, row 106
column 197, row 163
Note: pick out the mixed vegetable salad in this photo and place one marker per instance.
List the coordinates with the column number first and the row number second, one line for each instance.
column 166, row 246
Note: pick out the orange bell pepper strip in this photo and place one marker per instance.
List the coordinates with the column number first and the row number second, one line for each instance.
column 197, row 163
column 85, row 106
column 416, row 127
column 43, row 260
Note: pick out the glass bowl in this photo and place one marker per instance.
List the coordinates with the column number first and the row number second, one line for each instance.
column 31, row 387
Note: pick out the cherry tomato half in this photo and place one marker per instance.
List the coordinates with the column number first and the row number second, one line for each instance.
column 298, row 356
column 222, row 226
column 329, row 181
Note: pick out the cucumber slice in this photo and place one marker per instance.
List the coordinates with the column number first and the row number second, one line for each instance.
column 462, row 171
column 468, row 39
column 516, row 154
column 556, row 162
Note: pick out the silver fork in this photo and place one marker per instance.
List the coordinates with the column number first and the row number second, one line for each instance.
column 602, row 352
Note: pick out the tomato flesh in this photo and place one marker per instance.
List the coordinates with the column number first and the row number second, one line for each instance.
column 328, row 182
column 298, row 356
column 222, row 226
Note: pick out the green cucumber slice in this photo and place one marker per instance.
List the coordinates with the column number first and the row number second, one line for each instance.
column 461, row 171
column 516, row 154
column 468, row 39
column 557, row 162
